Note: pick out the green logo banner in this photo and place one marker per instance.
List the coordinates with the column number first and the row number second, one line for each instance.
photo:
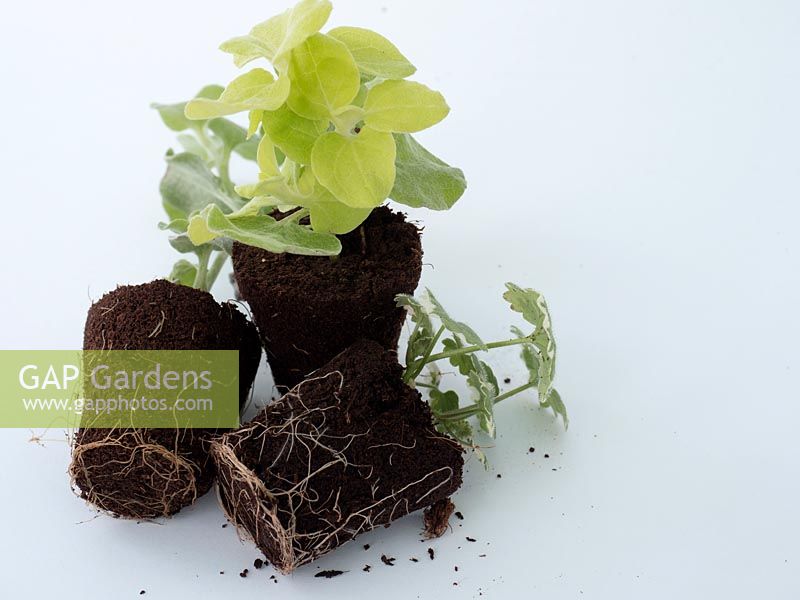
column 119, row 388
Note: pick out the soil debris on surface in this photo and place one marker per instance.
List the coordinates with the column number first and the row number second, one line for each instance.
column 387, row 560
column 330, row 573
column 431, row 553
column 459, row 515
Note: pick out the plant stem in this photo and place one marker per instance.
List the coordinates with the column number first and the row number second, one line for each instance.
column 202, row 269
column 411, row 375
column 468, row 411
column 214, row 269
column 224, row 172
column 296, row 216
column 471, row 349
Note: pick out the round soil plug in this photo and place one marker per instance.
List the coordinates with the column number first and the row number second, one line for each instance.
column 149, row 473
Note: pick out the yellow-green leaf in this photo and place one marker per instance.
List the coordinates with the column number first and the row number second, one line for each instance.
column 403, row 107
column 245, row 48
column 276, row 37
column 257, row 89
column 201, row 109
column 254, row 121
column 373, row 53
column 266, row 159
column 359, row 170
column 335, row 217
column 324, row 77
column 261, row 231
column 293, row 134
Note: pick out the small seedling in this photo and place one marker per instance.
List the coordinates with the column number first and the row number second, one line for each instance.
column 459, row 344
column 329, row 126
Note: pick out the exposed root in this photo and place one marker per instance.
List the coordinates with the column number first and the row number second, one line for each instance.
column 127, row 474
column 437, row 518
column 273, row 500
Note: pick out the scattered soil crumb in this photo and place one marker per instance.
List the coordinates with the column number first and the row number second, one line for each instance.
column 224, row 525
column 481, row 556
column 367, row 568
column 414, row 559
column 531, row 449
column 459, row 516
column 258, row 563
column 329, row 574
column 469, row 539
column 456, row 568
column 507, row 380
column 437, row 518
column 366, row 546
column 142, row 592
column 222, row 572
column 244, row 573
column 387, row 560
column 499, row 476
column 547, row 456
column 431, row 553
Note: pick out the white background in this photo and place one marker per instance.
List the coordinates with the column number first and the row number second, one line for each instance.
column 636, row 160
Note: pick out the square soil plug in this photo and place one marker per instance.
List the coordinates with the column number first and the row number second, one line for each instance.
column 349, row 449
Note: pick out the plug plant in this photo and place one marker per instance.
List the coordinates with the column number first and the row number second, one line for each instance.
column 437, row 338
column 330, row 125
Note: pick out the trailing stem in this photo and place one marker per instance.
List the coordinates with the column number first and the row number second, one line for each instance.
column 473, row 409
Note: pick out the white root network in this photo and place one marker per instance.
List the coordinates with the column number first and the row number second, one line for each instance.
column 269, row 516
column 170, row 485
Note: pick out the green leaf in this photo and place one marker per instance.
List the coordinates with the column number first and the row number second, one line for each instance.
column 173, row 114
column 457, row 328
column 373, row 53
column 403, row 106
column 175, row 226
column 534, row 310
column 192, row 145
column 293, row 134
column 483, row 382
column 228, row 132
column 554, row 402
column 529, row 357
column 422, row 336
column 183, row 273
column 459, row 430
column 335, row 217
column 359, row 171
column 422, row 179
column 248, row 149
column 324, row 77
column 182, row 243
column 263, row 232
column 257, row 90
column 189, row 186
